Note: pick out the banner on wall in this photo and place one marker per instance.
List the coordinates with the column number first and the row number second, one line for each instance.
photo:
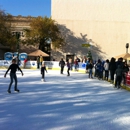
column 8, row 56
column 23, row 56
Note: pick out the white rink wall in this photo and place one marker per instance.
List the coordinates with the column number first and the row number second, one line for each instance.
column 53, row 65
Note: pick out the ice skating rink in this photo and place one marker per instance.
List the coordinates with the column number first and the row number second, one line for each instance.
column 62, row 103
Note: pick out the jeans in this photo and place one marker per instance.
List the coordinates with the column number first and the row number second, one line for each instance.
column 13, row 76
column 62, row 69
column 90, row 73
column 68, row 71
column 106, row 74
column 118, row 81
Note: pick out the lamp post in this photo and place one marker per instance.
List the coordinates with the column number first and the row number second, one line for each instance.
column 48, row 41
column 127, row 46
column 17, row 34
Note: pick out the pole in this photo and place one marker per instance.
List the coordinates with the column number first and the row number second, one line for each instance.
column 18, row 36
column 127, row 46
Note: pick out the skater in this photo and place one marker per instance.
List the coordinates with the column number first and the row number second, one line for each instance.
column 13, row 67
column 43, row 69
column 62, row 64
column 68, row 66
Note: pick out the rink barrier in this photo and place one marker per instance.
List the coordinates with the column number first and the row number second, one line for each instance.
column 127, row 85
column 50, row 65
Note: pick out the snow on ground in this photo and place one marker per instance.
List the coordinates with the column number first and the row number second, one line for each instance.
column 62, row 103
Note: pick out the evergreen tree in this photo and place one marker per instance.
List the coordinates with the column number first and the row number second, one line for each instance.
column 89, row 55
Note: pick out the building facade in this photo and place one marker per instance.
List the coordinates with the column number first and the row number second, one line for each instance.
column 18, row 24
column 104, row 24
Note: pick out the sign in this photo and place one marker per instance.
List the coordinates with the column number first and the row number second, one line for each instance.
column 86, row 45
column 23, row 56
column 8, row 56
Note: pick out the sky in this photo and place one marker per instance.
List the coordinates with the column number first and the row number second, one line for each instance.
column 27, row 7
column 62, row 103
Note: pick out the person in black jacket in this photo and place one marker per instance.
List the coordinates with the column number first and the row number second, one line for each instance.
column 62, row 64
column 90, row 67
column 43, row 69
column 112, row 68
column 13, row 67
column 118, row 72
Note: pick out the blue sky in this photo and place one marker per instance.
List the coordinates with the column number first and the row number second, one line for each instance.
column 27, row 7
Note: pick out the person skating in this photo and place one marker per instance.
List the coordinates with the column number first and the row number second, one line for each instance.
column 62, row 64
column 13, row 67
column 68, row 66
column 43, row 69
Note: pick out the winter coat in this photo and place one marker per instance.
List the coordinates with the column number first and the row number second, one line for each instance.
column 106, row 66
column 68, row 64
column 90, row 66
column 43, row 69
column 61, row 63
column 119, row 71
column 112, row 66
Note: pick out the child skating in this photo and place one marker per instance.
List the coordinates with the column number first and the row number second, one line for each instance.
column 43, row 69
column 68, row 68
column 13, row 67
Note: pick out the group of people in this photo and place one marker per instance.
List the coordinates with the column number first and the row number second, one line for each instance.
column 39, row 61
column 114, row 69
column 69, row 63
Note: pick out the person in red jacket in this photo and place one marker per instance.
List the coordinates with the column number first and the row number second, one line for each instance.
column 24, row 62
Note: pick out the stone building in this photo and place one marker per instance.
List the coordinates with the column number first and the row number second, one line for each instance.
column 18, row 24
column 104, row 24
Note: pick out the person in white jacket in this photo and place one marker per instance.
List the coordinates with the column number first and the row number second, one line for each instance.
column 106, row 68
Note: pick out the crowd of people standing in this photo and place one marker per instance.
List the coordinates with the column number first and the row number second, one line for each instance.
column 109, row 70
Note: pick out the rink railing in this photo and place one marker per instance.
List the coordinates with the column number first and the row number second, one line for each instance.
column 53, row 65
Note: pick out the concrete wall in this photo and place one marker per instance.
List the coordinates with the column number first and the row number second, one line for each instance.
column 106, row 23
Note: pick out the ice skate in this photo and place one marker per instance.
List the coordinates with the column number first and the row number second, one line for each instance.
column 42, row 80
column 16, row 90
column 8, row 91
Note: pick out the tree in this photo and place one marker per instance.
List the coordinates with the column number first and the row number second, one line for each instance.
column 42, row 30
column 6, row 38
column 89, row 55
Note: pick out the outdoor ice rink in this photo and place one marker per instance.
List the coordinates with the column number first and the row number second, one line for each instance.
column 62, row 103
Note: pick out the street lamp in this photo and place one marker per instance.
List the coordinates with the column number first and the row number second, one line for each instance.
column 49, row 41
column 127, row 46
